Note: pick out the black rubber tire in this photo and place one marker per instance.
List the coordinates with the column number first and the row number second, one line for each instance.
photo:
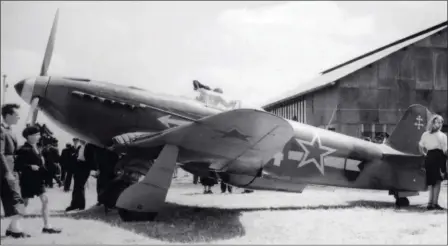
column 402, row 202
column 128, row 216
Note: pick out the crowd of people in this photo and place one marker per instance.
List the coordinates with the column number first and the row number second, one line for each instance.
column 24, row 172
column 208, row 182
column 27, row 171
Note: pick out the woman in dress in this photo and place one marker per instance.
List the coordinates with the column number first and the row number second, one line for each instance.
column 433, row 144
column 30, row 163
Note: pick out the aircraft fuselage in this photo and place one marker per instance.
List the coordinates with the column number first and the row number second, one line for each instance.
column 98, row 111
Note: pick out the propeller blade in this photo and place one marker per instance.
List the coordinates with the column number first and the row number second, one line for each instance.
column 50, row 46
column 34, row 119
column 32, row 114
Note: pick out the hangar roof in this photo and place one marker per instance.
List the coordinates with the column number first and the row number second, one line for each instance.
column 330, row 76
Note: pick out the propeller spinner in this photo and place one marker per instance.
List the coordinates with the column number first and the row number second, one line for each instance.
column 32, row 89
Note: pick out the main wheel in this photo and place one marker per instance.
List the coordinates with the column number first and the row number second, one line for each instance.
column 402, row 202
column 128, row 216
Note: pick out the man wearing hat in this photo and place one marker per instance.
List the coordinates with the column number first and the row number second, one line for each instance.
column 31, row 165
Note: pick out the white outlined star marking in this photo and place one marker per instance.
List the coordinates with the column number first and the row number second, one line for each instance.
column 314, row 153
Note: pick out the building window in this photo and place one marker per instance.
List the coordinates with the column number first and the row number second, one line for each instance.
column 366, row 132
column 304, row 111
column 296, row 110
column 290, row 111
column 293, row 111
column 374, row 132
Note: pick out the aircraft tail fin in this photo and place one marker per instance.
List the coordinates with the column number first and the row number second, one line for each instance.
column 409, row 129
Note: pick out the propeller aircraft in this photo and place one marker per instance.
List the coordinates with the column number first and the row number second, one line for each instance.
column 244, row 147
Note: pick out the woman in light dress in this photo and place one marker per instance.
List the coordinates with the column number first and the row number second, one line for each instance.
column 433, row 144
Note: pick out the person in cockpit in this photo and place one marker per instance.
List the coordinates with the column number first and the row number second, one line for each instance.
column 218, row 99
column 212, row 97
column 201, row 88
column 197, row 85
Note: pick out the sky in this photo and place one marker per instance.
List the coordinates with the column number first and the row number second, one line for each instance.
column 254, row 51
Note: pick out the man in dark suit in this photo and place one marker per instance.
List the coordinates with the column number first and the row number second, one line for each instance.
column 70, row 160
column 106, row 161
column 52, row 159
column 13, row 204
column 85, row 164
column 65, row 161
column 225, row 187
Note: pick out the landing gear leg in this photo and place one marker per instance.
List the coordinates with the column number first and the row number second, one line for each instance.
column 143, row 200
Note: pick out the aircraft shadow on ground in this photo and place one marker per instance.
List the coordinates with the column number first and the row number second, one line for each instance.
column 175, row 224
column 187, row 224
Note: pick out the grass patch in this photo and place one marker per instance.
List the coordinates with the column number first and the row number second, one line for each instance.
column 317, row 216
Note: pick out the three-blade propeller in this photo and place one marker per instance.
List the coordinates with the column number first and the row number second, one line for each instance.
column 32, row 115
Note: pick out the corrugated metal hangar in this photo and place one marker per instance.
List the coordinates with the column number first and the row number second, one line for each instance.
column 366, row 96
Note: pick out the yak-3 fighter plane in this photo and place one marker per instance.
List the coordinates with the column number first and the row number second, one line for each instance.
column 244, row 147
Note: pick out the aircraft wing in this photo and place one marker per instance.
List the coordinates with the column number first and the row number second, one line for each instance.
column 242, row 135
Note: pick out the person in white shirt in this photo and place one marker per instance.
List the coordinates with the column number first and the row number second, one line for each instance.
column 213, row 98
column 433, row 144
column 86, row 164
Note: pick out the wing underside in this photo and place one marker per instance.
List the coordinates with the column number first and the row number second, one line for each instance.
column 244, row 136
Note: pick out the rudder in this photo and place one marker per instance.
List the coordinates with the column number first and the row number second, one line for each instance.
column 409, row 129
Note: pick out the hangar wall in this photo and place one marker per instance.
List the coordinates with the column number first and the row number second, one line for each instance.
column 375, row 97
column 370, row 101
